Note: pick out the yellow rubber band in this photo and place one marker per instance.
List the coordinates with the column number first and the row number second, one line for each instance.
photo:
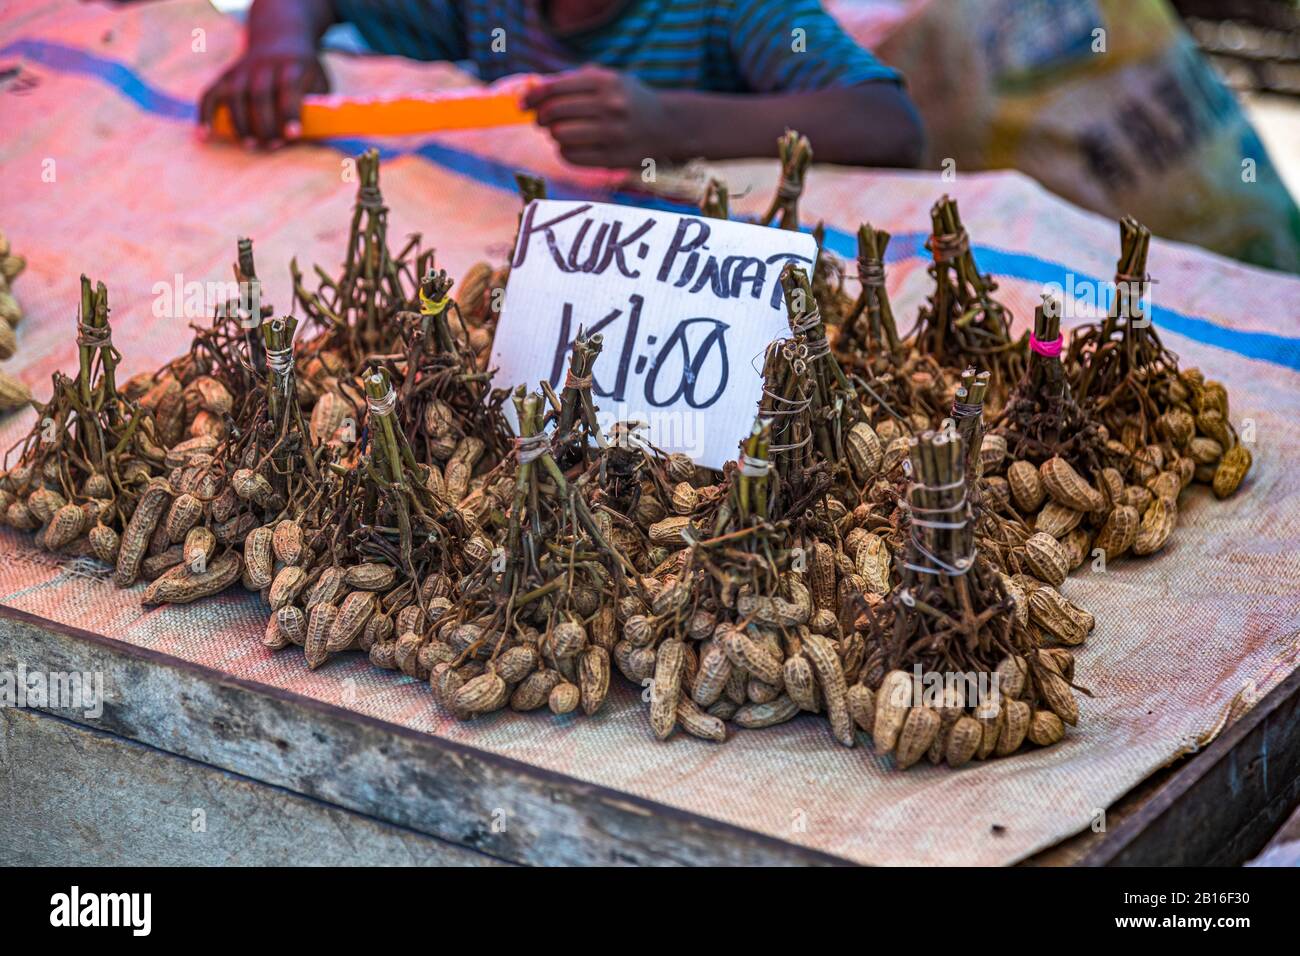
column 433, row 306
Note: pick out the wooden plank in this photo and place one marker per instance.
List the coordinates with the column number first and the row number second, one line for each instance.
column 1284, row 847
column 442, row 789
column 71, row 796
column 1221, row 806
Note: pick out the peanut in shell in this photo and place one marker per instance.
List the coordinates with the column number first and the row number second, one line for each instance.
column 871, row 560
column 292, row 624
column 135, row 539
column 893, row 700
column 1059, row 618
column 1046, row 558
column 350, row 620
column 535, row 690
column 315, row 645
column 1234, row 464
column 821, row 576
column 273, row 638
column 13, row 393
column 286, row 542
column 1045, row 728
column 668, row 532
column 104, row 542
column 667, row 685
column 1026, row 485
column 484, row 694
column 964, row 739
column 830, row 676
column 65, row 526
column 1057, row 694
column 800, row 682
column 593, row 678
column 915, row 737
column 1011, row 674
column 746, row 653
column 329, row 587
column 1157, row 527
column 1015, row 725
column 259, row 562
column 1119, row 532
column 864, row 451
column 199, row 546
column 993, row 451
column 711, row 676
column 370, row 576
column 1204, row 451
column 285, row 587
column 1067, row 487
column 697, row 723
column 757, row 716
column 564, row 698
column 180, row 585
column 1057, row 520
column 861, row 701
column 991, row 716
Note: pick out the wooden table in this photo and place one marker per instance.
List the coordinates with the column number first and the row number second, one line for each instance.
column 187, row 765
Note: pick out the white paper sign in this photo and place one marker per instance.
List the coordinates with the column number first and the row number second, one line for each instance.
column 686, row 306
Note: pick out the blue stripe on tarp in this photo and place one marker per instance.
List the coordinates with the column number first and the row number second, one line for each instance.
column 1265, row 346
column 68, row 59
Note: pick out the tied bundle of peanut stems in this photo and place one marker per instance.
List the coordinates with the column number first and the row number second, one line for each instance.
column 1121, row 362
column 785, row 406
column 1153, row 410
column 795, row 154
column 576, row 406
column 892, row 379
column 870, row 325
column 88, row 431
column 358, row 307
column 248, row 310
column 963, row 323
column 952, row 617
column 951, row 613
column 968, row 414
column 93, row 396
column 446, row 396
column 1041, row 419
column 398, row 482
column 833, row 405
column 715, row 202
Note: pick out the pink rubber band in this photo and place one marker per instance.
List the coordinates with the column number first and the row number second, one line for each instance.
column 1050, row 349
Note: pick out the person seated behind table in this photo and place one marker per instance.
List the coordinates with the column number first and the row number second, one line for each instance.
column 629, row 79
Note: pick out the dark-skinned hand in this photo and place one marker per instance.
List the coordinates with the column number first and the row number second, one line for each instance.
column 263, row 91
column 601, row 117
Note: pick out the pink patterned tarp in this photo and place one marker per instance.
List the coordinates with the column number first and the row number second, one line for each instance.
column 1182, row 643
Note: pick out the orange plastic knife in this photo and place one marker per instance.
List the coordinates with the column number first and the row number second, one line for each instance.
column 330, row 115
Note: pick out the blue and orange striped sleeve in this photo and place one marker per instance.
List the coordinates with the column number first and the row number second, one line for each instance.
column 789, row 46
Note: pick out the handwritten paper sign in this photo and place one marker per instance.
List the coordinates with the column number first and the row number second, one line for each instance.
column 686, row 306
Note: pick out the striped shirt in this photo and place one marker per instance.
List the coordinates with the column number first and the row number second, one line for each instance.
column 726, row 46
